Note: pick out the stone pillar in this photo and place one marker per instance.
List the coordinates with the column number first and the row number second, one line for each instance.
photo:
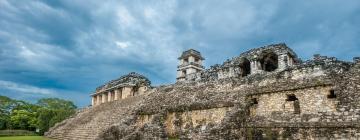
column 98, row 99
column 291, row 61
column 116, row 94
column 109, row 96
column 104, row 98
column 93, row 98
column 283, row 62
column 120, row 93
column 255, row 66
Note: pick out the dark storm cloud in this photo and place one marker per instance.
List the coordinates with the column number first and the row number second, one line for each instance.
column 67, row 48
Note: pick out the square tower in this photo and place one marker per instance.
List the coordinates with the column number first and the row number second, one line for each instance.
column 190, row 62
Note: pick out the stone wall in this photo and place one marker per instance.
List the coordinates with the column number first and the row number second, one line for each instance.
column 309, row 101
column 314, row 133
column 196, row 120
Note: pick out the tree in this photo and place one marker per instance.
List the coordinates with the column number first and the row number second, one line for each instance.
column 6, row 106
column 44, row 118
column 17, row 114
column 24, row 116
column 4, row 121
column 56, row 103
column 23, row 119
column 52, row 111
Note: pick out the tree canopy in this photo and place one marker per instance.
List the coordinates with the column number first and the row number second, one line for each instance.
column 17, row 114
column 56, row 103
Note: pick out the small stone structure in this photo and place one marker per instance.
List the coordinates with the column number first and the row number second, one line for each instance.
column 190, row 63
column 126, row 86
column 264, row 93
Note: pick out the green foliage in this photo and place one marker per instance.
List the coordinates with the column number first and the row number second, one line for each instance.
column 6, row 106
column 45, row 116
column 23, row 119
column 15, row 114
column 24, row 116
column 53, row 110
column 4, row 121
column 56, row 103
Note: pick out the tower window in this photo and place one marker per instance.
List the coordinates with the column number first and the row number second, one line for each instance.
column 254, row 101
column 296, row 104
column 184, row 72
column 245, row 67
column 291, row 97
column 186, row 60
column 269, row 62
column 331, row 94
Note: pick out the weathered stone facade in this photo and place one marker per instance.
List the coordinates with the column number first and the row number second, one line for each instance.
column 126, row 86
column 265, row 93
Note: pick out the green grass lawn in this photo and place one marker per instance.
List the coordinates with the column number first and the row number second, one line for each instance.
column 24, row 138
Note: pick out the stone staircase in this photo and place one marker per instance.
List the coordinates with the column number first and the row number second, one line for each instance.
column 90, row 122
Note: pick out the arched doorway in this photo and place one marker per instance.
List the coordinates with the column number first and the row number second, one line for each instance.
column 245, row 67
column 269, row 62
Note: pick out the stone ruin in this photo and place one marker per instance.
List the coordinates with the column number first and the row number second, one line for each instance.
column 272, row 58
column 126, row 86
column 264, row 93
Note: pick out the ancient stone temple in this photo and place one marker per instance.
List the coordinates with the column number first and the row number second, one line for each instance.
column 126, row 86
column 263, row 93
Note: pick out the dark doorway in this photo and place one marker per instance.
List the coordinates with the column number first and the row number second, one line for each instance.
column 296, row 103
column 291, row 97
column 135, row 90
column 331, row 94
column 245, row 67
column 269, row 62
column 254, row 101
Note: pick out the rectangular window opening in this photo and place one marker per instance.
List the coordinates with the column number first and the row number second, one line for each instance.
column 254, row 101
column 184, row 72
column 331, row 94
column 291, row 97
column 186, row 60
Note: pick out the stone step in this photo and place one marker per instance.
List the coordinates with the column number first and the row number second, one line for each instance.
column 87, row 123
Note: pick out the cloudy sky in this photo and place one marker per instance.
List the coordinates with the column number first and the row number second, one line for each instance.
column 67, row 48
